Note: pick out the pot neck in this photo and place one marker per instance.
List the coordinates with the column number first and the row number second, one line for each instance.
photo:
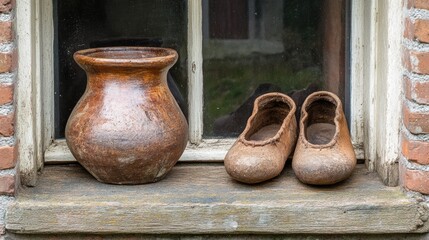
column 126, row 65
column 143, row 77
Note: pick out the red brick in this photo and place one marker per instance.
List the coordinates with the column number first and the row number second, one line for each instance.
column 417, row 62
column 424, row 4
column 420, row 92
column 415, row 122
column 7, row 157
column 6, row 125
column 409, row 29
column 6, row 94
column 7, row 185
column 409, row 3
column 6, row 5
column 421, row 30
column 416, row 151
column 417, row 91
column 7, row 61
column 408, row 88
column 406, row 59
column 6, row 32
column 415, row 180
column 422, row 64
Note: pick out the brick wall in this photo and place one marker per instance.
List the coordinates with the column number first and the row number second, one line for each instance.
column 414, row 165
column 7, row 79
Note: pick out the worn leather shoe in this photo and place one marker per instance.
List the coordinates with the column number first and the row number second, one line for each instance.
column 262, row 149
column 324, row 152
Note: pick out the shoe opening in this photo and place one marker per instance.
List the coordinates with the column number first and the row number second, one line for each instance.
column 268, row 119
column 320, row 124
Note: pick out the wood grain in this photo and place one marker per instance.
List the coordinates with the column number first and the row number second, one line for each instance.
column 27, row 96
column 195, row 71
column 202, row 199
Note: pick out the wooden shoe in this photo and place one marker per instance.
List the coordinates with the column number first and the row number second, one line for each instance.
column 261, row 150
column 324, row 152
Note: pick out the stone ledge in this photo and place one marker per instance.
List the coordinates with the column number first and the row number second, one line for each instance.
column 202, row 199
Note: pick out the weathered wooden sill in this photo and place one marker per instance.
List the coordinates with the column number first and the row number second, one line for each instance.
column 202, row 199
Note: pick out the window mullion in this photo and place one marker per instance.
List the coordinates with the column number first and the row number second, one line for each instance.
column 357, row 74
column 26, row 93
column 195, row 71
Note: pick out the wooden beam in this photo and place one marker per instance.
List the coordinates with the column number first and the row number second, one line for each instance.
column 203, row 199
column 47, row 71
column 370, row 13
column 357, row 32
column 389, row 90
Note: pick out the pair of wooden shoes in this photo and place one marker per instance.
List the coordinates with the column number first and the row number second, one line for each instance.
column 323, row 150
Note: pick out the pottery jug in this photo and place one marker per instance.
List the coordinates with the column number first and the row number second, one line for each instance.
column 127, row 128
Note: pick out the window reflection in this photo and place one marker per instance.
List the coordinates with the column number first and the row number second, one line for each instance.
column 251, row 47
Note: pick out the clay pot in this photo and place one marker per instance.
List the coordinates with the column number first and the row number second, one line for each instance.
column 324, row 152
column 127, row 128
column 262, row 149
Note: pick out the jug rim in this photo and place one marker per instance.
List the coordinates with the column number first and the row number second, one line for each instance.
column 127, row 56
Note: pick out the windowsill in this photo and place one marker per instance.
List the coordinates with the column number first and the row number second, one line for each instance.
column 210, row 150
column 202, row 199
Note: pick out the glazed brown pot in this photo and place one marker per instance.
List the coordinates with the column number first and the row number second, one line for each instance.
column 127, row 128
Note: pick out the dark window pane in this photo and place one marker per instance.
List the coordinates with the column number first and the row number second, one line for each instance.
column 81, row 24
column 251, row 47
column 228, row 19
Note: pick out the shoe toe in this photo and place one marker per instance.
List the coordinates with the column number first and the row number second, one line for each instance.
column 319, row 169
column 252, row 166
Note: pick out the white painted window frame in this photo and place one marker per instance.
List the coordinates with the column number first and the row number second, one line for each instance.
column 372, row 139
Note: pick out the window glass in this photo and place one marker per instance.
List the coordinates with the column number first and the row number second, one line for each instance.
column 81, row 24
column 251, row 47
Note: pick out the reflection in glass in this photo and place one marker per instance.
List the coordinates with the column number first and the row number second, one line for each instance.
column 81, row 24
column 251, row 47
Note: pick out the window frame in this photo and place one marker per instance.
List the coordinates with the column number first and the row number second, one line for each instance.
column 375, row 136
